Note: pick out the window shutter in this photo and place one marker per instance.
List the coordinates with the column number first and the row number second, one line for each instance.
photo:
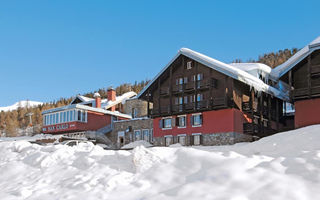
column 201, row 76
column 177, row 121
column 160, row 123
column 173, row 121
column 201, row 119
column 191, row 120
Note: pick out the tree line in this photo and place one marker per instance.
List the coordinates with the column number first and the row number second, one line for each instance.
column 12, row 122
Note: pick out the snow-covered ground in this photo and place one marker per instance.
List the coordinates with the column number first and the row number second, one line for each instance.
column 20, row 104
column 283, row 166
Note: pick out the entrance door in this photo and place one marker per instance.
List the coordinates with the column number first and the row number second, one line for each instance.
column 146, row 136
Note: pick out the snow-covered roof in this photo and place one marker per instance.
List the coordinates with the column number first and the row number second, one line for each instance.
column 280, row 70
column 255, row 69
column 226, row 69
column 89, row 108
column 119, row 99
column 105, row 102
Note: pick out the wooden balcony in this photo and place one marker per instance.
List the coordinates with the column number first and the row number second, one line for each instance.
column 178, row 88
column 216, row 103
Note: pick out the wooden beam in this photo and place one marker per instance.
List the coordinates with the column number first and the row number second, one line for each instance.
column 309, row 76
column 290, row 83
column 211, row 89
column 148, row 105
column 183, row 86
column 261, row 112
column 269, row 110
column 159, row 88
column 277, row 113
column 170, row 89
column 196, row 86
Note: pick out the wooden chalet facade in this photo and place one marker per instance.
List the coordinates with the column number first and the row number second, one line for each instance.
column 198, row 100
column 302, row 73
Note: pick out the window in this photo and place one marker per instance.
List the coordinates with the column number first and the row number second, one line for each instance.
column 168, row 140
column 185, row 99
column 181, row 121
column 57, row 118
column 72, row 115
column 180, row 81
column 180, row 100
column 196, row 120
column 64, row 117
column 199, row 97
column 185, row 80
column 199, row 77
column 61, row 117
column 68, row 114
column 51, row 120
column 182, row 139
column 192, row 98
column 146, row 135
column 83, row 118
column 134, row 113
column 167, row 123
column 79, row 115
column 137, row 134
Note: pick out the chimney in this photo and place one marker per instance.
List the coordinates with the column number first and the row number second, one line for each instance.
column 98, row 99
column 111, row 93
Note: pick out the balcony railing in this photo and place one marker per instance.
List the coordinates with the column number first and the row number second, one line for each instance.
column 189, row 107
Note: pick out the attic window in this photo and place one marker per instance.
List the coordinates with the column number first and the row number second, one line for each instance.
column 189, row 64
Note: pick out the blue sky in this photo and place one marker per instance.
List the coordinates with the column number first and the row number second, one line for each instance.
column 53, row 49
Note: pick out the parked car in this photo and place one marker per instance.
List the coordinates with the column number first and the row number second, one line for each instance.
column 76, row 143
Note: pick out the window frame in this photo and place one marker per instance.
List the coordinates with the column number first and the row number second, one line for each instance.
column 178, row 121
column 163, row 123
column 197, row 114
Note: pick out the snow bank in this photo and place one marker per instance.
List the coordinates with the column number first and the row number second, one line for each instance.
column 283, row 166
column 136, row 144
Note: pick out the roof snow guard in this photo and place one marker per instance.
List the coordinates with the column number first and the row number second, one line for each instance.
column 226, row 69
column 282, row 69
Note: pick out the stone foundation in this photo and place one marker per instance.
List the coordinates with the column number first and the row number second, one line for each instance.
column 210, row 139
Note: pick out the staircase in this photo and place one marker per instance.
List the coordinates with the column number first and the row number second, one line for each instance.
column 100, row 136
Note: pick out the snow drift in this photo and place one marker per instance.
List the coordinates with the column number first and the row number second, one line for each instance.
column 283, row 166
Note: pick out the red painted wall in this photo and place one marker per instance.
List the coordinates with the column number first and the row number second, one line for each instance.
column 307, row 112
column 95, row 121
column 216, row 121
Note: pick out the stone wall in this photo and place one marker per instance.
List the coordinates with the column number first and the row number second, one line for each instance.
column 210, row 139
column 140, row 106
column 128, row 127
